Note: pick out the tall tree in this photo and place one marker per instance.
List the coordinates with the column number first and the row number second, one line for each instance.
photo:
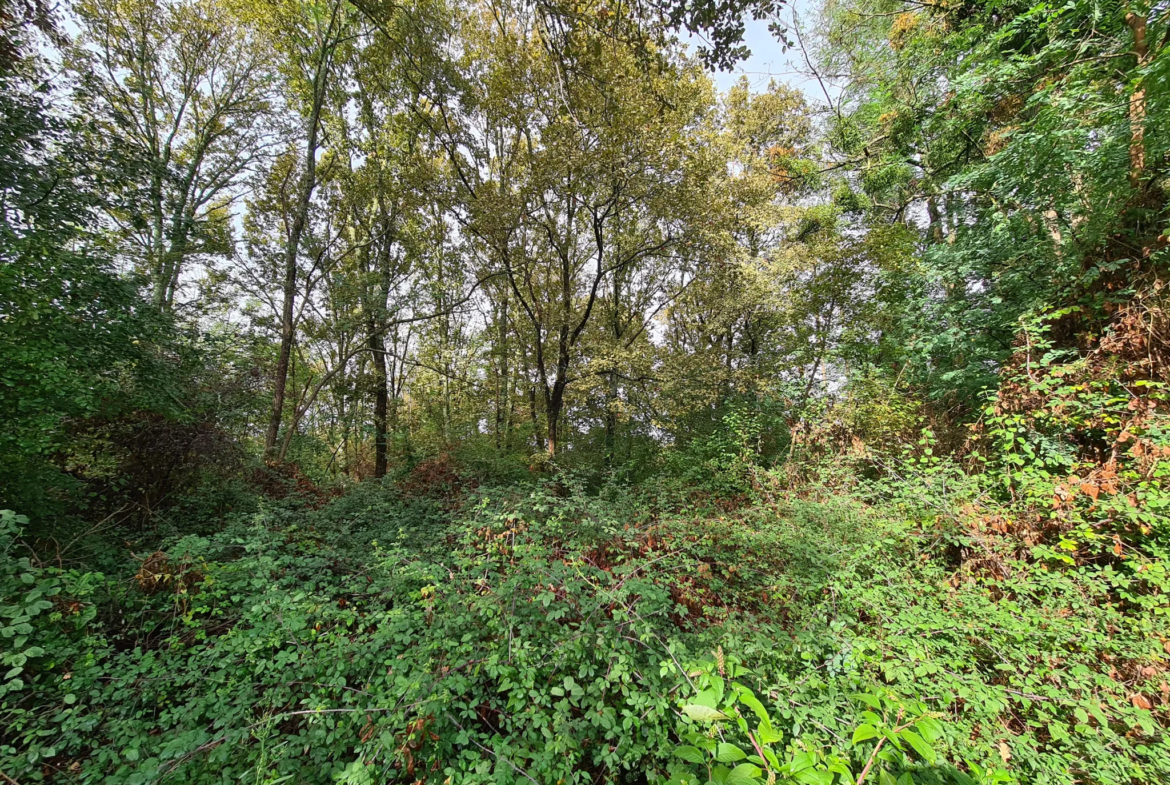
column 310, row 34
column 184, row 87
column 580, row 176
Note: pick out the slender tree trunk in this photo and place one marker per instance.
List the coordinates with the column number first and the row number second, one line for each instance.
column 552, row 404
column 612, row 396
column 300, row 219
column 611, row 421
column 1137, row 102
column 532, row 409
column 503, row 378
column 381, row 400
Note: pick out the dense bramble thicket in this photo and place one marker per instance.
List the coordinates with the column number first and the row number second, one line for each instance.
column 469, row 392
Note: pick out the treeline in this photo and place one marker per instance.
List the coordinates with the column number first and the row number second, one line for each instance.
column 343, row 236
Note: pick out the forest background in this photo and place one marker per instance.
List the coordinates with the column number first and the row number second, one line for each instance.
column 472, row 391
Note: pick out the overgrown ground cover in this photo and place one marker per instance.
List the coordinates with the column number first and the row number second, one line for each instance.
column 544, row 633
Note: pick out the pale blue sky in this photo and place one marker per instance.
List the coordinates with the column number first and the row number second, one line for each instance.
column 770, row 61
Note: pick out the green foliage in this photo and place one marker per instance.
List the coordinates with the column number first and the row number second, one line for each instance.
column 724, row 708
column 549, row 633
column 73, row 334
column 588, row 373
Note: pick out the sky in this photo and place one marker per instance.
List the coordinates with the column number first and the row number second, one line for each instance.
column 769, row 60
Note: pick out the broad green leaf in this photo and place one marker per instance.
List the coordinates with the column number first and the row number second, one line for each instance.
column 815, row 777
column 729, row 753
column 690, row 754
column 708, row 698
column 769, row 736
column 919, row 744
column 743, row 774
column 869, row 700
column 801, row 761
column 703, row 713
column 864, row 733
column 753, row 703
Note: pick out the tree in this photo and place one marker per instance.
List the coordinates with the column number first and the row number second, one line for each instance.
column 310, row 35
column 1027, row 145
column 184, row 88
column 75, row 338
column 593, row 195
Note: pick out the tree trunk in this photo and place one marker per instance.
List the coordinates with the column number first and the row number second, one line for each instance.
column 381, row 400
column 611, row 421
column 502, row 375
column 1137, row 102
column 300, row 220
column 554, row 402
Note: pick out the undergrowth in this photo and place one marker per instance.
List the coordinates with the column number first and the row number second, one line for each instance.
column 537, row 633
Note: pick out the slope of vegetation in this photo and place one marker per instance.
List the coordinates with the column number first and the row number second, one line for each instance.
column 471, row 392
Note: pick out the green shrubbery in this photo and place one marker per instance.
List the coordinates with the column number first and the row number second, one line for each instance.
column 539, row 633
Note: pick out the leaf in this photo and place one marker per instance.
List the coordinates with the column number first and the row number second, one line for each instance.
column 767, row 735
column 885, row 778
column 742, row 774
column 1141, row 701
column 703, row 713
column 919, row 744
column 869, row 700
column 842, row 770
column 906, row 779
column 863, row 733
column 929, row 729
column 708, row 698
column 729, row 753
column 753, row 703
column 800, row 762
column 690, row 754
column 814, row 777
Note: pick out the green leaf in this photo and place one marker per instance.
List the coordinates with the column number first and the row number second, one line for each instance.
column 869, row 700
column 801, row 761
column 703, row 713
column 753, row 703
column 929, row 729
column 742, row 774
column 729, row 753
column 919, row 744
column 815, row 777
column 708, row 698
column 690, row 754
column 767, row 735
column 863, row 733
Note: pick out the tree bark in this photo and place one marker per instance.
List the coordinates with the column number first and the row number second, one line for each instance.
column 307, row 185
column 1137, row 102
column 381, row 400
column 502, row 374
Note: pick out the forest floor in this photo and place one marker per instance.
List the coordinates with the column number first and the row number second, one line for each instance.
column 541, row 633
